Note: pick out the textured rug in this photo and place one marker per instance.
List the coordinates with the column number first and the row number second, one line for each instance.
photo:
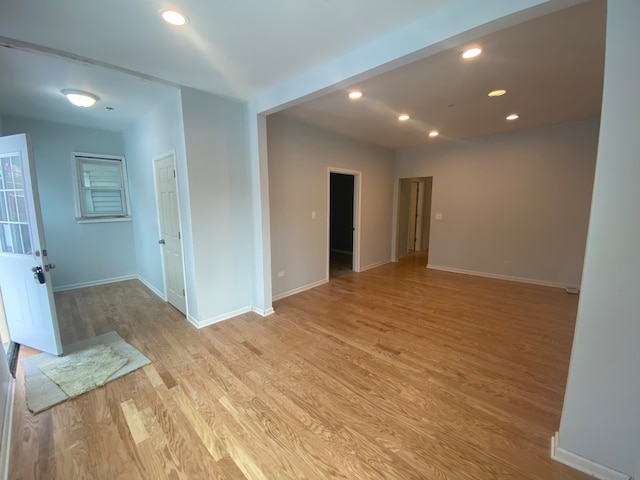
column 85, row 365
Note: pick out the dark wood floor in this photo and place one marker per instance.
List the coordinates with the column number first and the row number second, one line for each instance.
column 396, row 373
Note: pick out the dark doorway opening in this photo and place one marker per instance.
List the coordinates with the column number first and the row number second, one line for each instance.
column 341, row 225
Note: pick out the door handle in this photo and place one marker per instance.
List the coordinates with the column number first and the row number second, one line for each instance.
column 161, row 242
column 38, row 274
column 49, row 266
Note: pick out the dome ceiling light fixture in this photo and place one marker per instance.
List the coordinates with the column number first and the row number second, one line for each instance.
column 513, row 116
column 497, row 93
column 404, row 117
column 355, row 95
column 434, row 133
column 80, row 98
column 174, row 17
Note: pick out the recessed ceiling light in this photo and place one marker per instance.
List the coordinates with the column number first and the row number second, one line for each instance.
column 471, row 52
column 434, row 133
column 513, row 116
column 497, row 93
column 404, row 117
column 80, row 98
column 174, row 17
column 355, row 94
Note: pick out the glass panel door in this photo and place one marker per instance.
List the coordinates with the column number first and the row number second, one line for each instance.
column 15, row 236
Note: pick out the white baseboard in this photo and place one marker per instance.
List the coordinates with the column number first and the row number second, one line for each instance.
column 7, row 426
column 226, row 316
column 300, row 289
column 105, row 281
column 375, row 265
column 218, row 318
column 263, row 312
column 584, row 464
column 497, row 276
column 162, row 296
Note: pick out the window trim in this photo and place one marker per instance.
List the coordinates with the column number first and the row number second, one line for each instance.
column 78, row 188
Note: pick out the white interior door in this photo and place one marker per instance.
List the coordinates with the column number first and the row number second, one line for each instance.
column 28, row 300
column 169, row 219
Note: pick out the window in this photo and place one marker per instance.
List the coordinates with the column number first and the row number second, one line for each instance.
column 101, row 188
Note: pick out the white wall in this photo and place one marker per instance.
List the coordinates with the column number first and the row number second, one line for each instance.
column 158, row 132
column 84, row 253
column 299, row 158
column 601, row 413
column 515, row 204
column 221, row 198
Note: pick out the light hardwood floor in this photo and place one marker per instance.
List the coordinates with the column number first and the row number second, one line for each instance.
column 398, row 373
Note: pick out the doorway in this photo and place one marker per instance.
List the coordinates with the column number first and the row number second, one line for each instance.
column 414, row 218
column 343, row 222
column 170, row 232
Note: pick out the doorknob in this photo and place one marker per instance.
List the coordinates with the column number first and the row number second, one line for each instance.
column 161, row 242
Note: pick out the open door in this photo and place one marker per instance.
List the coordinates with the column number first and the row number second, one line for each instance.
column 170, row 238
column 25, row 280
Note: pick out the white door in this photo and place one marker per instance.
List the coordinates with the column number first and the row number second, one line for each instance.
column 28, row 300
column 169, row 219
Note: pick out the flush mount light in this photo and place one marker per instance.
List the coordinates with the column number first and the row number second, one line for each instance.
column 355, row 94
column 496, row 93
column 404, row 117
column 80, row 98
column 513, row 116
column 434, row 133
column 471, row 52
column 174, row 17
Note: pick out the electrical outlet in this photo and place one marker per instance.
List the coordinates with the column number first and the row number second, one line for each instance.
column 281, row 274
column 438, row 216
column 313, row 215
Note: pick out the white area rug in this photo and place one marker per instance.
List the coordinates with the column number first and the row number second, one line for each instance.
column 85, row 365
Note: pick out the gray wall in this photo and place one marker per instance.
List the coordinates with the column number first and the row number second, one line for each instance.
column 515, row 205
column 84, row 253
column 158, row 132
column 208, row 134
column 601, row 413
column 299, row 158
column 220, row 195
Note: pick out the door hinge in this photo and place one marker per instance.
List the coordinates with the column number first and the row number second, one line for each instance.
column 183, row 292
column 174, row 173
column 179, row 236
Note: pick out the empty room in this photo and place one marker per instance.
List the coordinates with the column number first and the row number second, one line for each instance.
column 319, row 240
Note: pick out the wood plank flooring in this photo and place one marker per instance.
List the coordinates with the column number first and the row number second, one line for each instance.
column 396, row 373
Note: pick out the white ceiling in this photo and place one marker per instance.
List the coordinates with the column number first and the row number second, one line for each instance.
column 552, row 68
column 124, row 53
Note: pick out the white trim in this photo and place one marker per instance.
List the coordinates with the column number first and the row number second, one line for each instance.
column 300, row 289
column 533, row 281
column 375, row 265
column 584, row 464
column 152, row 288
column 218, row 318
column 262, row 312
column 103, row 219
column 73, row 286
column 7, row 427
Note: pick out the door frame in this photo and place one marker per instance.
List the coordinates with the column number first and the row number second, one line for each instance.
column 357, row 189
column 171, row 153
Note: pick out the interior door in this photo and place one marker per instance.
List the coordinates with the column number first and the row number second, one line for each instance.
column 169, row 219
column 24, row 266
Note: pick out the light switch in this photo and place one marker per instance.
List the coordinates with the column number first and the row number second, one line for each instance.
column 313, row 215
column 438, row 216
